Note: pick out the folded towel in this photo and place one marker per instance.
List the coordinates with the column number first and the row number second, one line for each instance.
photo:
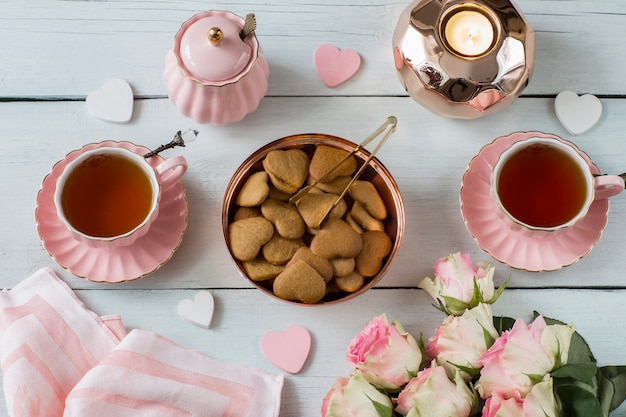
column 60, row 359
column 48, row 342
column 162, row 378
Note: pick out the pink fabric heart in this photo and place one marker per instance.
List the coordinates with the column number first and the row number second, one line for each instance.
column 336, row 66
column 287, row 350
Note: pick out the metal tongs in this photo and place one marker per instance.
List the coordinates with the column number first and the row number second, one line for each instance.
column 389, row 125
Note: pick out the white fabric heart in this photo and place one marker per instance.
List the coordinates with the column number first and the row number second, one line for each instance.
column 113, row 102
column 577, row 113
column 198, row 311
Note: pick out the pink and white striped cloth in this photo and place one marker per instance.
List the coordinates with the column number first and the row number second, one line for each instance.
column 60, row 359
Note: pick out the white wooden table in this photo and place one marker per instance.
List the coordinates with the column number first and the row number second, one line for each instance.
column 54, row 53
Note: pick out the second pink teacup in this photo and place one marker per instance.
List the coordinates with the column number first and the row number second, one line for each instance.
column 544, row 184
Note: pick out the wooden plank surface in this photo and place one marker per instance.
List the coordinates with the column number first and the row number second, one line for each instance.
column 67, row 48
column 427, row 157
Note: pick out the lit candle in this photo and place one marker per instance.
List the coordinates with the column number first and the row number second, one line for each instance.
column 469, row 32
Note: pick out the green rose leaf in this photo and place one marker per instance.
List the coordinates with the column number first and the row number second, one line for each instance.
column 477, row 296
column 472, row 372
column 422, row 347
column 502, row 324
column 489, row 340
column 579, row 351
column 498, row 292
column 584, row 372
column 617, row 376
column 453, row 306
column 534, row 378
column 381, row 409
column 576, row 401
column 606, row 393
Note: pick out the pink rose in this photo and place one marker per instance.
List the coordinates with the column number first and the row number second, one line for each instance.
column 539, row 402
column 387, row 355
column 459, row 285
column 522, row 356
column 462, row 340
column 431, row 393
column 354, row 397
column 499, row 406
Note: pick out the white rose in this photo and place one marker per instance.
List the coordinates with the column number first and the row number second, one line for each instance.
column 462, row 340
column 431, row 394
column 540, row 400
column 355, row 397
column 459, row 285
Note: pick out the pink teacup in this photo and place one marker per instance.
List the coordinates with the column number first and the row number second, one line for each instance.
column 109, row 197
column 544, row 184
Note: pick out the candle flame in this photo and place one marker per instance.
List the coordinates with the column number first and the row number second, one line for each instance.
column 472, row 33
column 469, row 32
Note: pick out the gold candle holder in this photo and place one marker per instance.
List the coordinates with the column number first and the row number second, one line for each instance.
column 464, row 58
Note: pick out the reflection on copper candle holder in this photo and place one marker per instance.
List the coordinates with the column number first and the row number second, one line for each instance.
column 463, row 58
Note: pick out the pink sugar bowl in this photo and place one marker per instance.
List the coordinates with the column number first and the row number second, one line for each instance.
column 216, row 72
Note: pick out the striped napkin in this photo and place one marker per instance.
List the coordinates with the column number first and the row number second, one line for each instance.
column 60, row 359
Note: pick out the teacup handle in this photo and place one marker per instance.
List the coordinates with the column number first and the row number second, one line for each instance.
column 607, row 186
column 171, row 170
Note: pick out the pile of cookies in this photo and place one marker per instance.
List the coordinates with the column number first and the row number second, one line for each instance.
column 320, row 244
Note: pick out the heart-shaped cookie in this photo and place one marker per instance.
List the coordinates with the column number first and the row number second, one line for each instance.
column 254, row 191
column 376, row 246
column 287, row 350
column 326, row 158
column 337, row 239
column 366, row 193
column 113, row 102
column 336, row 66
column 287, row 221
column 321, row 265
column 300, row 282
column 577, row 113
column 314, row 206
column 247, row 236
column 287, row 169
column 198, row 311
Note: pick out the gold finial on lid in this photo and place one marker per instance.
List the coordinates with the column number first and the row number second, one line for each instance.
column 215, row 36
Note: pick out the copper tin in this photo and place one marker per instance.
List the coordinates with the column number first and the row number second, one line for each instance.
column 375, row 172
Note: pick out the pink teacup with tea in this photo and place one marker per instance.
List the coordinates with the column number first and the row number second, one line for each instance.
column 544, row 184
column 109, row 197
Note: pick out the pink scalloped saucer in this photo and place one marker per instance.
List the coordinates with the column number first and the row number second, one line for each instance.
column 124, row 264
column 545, row 252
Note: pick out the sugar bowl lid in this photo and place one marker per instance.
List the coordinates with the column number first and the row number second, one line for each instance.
column 210, row 50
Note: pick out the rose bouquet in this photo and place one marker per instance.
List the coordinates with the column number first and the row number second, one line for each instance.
column 474, row 364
